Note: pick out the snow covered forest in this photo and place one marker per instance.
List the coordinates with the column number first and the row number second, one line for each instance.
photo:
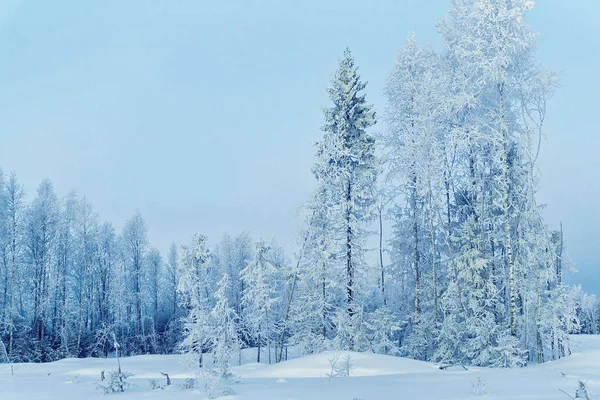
column 423, row 237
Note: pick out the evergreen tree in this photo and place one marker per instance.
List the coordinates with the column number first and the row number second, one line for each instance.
column 259, row 299
column 225, row 336
column 345, row 170
column 192, row 286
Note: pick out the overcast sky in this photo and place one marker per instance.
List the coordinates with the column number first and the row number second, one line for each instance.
column 202, row 115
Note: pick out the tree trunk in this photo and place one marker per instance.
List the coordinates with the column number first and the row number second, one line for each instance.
column 12, row 280
column 416, row 255
column 559, row 257
column 349, row 265
column 540, row 353
column 289, row 302
column 509, row 256
column 433, row 256
column 381, row 267
column 258, row 353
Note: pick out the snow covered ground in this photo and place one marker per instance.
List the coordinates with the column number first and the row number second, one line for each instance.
column 374, row 377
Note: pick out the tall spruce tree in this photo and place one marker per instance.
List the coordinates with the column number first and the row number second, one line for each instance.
column 345, row 169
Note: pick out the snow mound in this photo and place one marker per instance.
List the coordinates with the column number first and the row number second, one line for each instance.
column 319, row 366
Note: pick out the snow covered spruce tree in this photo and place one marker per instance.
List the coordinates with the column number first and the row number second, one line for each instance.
column 218, row 331
column 315, row 289
column 260, row 298
column 231, row 256
column 225, row 331
column 345, row 172
column 195, row 298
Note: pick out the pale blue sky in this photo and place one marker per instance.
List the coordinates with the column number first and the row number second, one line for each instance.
column 202, row 114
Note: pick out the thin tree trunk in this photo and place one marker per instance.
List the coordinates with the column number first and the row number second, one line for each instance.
column 12, row 311
column 508, row 244
column 289, row 302
column 559, row 257
column 434, row 256
column 382, row 283
column 540, row 353
column 12, row 280
column 416, row 255
column 323, row 285
column 6, row 284
column 349, row 266
column 258, row 353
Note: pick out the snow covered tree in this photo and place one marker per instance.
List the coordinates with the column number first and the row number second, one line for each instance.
column 192, row 286
column 106, row 259
column 153, row 304
column 65, row 261
column 588, row 313
column 559, row 319
column 41, row 229
column 260, row 298
column 317, row 290
column 4, row 261
column 135, row 247
column 225, row 340
column 231, row 255
column 414, row 158
column 345, row 170
column 383, row 326
column 15, row 214
column 171, row 302
column 86, row 229
column 494, row 46
column 172, row 278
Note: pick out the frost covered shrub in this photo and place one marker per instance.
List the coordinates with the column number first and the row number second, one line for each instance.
column 209, row 384
column 212, row 384
column 346, row 366
column 340, row 367
column 382, row 327
column 478, row 386
column 507, row 353
column 116, row 383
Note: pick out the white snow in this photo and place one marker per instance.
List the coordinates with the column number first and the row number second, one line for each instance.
column 373, row 377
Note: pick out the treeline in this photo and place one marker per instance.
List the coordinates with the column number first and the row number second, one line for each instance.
column 69, row 281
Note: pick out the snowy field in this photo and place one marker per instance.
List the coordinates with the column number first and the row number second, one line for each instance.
column 373, row 377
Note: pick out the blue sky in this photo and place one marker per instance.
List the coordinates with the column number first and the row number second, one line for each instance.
column 202, row 115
